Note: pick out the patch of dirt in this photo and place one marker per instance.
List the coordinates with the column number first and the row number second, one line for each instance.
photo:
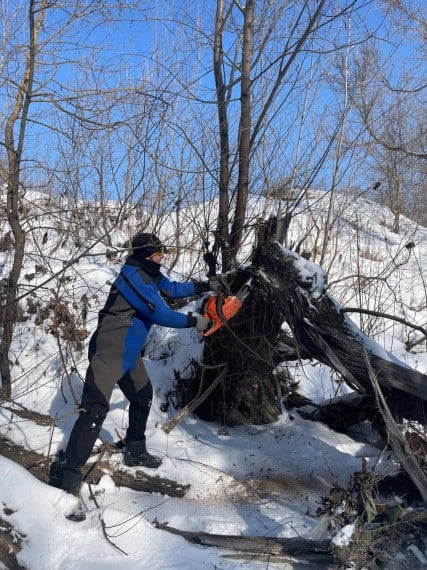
column 228, row 489
column 283, row 486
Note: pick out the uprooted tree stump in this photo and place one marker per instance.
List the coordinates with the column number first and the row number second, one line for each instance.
column 247, row 346
column 289, row 288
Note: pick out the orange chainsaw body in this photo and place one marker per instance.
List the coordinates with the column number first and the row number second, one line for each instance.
column 227, row 307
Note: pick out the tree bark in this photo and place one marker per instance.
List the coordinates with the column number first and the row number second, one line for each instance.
column 244, row 133
column 222, row 234
column 10, row 546
column 38, row 465
column 397, row 442
column 342, row 413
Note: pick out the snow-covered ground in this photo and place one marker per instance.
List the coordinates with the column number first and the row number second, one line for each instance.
column 255, row 480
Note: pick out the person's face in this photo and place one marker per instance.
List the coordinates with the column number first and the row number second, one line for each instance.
column 157, row 257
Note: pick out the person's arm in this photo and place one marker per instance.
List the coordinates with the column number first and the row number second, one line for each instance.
column 178, row 290
column 147, row 302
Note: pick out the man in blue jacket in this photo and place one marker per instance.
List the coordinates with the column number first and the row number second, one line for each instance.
column 135, row 303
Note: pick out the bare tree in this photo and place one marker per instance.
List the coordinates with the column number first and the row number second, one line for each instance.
column 269, row 70
column 14, row 141
column 388, row 94
column 227, row 241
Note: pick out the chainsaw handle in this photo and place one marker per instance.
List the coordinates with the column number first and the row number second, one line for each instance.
column 219, row 304
column 219, row 285
column 212, row 328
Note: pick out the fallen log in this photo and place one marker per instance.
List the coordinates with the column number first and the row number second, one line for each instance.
column 342, row 412
column 308, row 550
column 38, row 465
column 321, row 328
column 140, row 481
column 398, row 443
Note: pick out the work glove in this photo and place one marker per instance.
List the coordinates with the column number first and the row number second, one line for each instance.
column 202, row 323
column 216, row 285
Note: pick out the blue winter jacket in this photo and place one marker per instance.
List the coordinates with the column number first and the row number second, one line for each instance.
column 134, row 304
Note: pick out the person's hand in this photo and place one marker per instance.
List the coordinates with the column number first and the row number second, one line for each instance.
column 216, row 285
column 202, row 323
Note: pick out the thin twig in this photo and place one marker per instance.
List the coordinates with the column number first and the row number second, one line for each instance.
column 195, row 403
column 101, row 520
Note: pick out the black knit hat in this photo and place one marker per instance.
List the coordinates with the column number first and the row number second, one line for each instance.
column 144, row 244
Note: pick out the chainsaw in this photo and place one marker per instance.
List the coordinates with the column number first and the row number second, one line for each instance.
column 222, row 307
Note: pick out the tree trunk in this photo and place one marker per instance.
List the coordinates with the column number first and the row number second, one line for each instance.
column 244, row 133
column 344, row 412
column 39, row 466
column 17, row 123
column 221, row 237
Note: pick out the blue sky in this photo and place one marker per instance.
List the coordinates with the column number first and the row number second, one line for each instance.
column 143, row 47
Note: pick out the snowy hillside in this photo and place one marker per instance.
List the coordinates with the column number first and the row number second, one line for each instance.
column 264, row 480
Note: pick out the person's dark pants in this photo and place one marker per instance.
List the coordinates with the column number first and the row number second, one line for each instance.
column 94, row 408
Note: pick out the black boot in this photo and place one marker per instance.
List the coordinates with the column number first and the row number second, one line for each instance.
column 135, row 453
column 64, row 476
